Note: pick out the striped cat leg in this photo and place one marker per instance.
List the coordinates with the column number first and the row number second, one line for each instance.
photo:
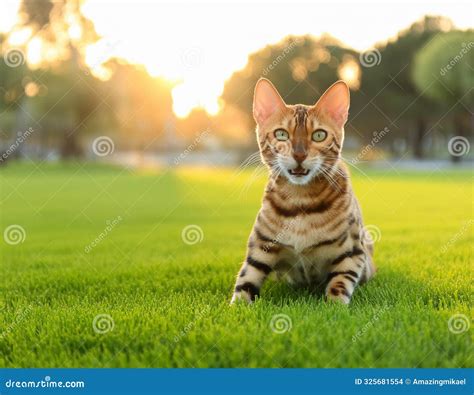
column 251, row 277
column 262, row 255
column 345, row 273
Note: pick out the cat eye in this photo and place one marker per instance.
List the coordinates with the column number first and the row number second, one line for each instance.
column 319, row 135
column 281, row 135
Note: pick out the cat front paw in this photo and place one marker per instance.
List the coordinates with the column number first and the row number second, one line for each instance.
column 338, row 294
column 241, row 297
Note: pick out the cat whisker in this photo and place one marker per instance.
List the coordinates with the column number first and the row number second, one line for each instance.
column 256, row 173
column 348, row 162
column 337, row 170
column 329, row 177
column 252, row 159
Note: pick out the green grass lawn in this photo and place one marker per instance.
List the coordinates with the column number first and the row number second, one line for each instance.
column 169, row 300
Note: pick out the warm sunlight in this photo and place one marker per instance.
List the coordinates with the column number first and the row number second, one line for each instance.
column 196, row 59
column 198, row 62
column 169, row 225
column 8, row 14
column 349, row 71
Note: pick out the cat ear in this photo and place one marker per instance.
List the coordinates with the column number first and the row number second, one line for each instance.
column 335, row 103
column 266, row 101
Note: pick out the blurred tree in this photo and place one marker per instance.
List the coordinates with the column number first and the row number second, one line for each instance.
column 58, row 24
column 71, row 93
column 443, row 71
column 391, row 96
column 142, row 106
column 313, row 63
column 36, row 13
column 194, row 124
column 12, row 72
column 69, row 106
column 66, row 95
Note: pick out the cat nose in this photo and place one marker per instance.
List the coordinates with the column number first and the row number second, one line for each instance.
column 300, row 156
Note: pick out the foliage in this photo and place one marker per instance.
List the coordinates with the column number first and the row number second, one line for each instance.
column 443, row 69
column 312, row 64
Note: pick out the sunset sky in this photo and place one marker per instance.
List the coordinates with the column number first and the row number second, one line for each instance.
column 200, row 45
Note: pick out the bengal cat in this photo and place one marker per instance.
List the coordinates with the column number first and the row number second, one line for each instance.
column 309, row 229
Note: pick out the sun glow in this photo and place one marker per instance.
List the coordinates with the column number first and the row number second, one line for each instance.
column 197, row 47
column 200, row 45
column 8, row 16
column 349, row 71
column 34, row 52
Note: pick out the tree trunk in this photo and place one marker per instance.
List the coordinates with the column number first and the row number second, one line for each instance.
column 419, row 139
column 70, row 148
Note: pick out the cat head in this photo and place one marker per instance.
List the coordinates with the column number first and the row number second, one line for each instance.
column 300, row 141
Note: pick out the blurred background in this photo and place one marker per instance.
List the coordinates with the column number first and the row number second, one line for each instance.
column 160, row 84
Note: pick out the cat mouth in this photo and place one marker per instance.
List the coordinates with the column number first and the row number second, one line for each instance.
column 299, row 172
